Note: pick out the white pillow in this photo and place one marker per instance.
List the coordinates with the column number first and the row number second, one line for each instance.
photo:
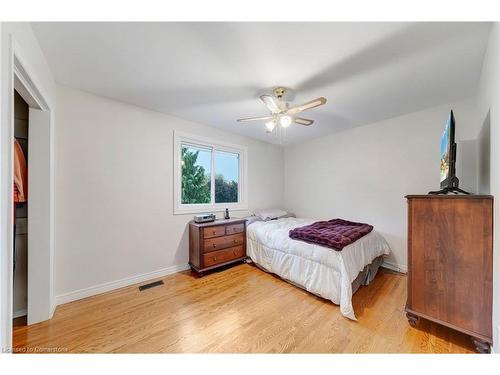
column 270, row 214
column 252, row 219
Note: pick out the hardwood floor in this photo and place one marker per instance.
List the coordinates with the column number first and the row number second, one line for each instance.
column 238, row 310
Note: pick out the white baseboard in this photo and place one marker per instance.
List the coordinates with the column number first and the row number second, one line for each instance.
column 495, row 347
column 395, row 267
column 19, row 313
column 112, row 285
column 53, row 308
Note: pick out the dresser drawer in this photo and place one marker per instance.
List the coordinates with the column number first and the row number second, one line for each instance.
column 210, row 232
column 221, row 256
column 218, row 243
column 235, row 228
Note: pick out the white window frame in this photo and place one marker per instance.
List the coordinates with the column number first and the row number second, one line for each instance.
column 214, row 145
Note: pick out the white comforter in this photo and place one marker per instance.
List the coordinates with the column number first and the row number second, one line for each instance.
column 319, row 270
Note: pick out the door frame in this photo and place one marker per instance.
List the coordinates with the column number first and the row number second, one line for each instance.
column 21, row 78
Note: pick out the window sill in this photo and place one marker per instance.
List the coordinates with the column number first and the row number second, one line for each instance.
column 209, row 209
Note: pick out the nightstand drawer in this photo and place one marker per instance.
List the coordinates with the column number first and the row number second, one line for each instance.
column 221, row 256
column 217, row 231
column 219, row 243
column 235, row 228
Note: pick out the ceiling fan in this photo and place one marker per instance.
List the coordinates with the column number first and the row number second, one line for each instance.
column 282, row 113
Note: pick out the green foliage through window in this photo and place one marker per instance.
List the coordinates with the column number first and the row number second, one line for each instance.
column 195, row 181
column 225, row 191
column 196, row 176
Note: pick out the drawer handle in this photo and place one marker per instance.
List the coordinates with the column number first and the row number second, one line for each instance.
column 235, row 241
column 213, row 232
column 214, row 245
column 215, row 258
column 235, row 252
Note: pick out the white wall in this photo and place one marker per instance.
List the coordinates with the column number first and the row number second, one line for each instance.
column 5, row 294
column 114, row 189
column 488, row 109
column 484, row 157
column 29, row 52
column 364, row 173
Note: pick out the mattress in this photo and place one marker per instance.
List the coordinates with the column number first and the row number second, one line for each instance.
column 319, row 270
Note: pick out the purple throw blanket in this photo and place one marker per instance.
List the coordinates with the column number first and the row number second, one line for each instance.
column 336, row 233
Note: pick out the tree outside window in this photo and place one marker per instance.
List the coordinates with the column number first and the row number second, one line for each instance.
column 197, row 175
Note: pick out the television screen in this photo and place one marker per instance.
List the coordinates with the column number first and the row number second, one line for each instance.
column 445, row 149
column 449, row 180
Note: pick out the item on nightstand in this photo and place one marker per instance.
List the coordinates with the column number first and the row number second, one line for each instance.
column 226, row 215
column 204, row 218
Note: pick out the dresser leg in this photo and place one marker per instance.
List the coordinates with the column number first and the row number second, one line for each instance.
column 412, row 319
column 481, row 346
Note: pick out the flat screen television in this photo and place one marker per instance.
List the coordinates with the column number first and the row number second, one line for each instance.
column 449, row 180
column 448, row 151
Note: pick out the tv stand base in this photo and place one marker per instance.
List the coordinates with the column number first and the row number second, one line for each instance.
column 449, row 189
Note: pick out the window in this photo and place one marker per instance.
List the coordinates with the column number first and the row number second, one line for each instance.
column 196, row 165
column 227, row 172
column 209, row 175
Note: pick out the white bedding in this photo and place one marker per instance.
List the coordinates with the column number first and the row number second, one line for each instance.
column 319, row 270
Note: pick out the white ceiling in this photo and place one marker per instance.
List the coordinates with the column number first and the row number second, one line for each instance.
column 213, row 73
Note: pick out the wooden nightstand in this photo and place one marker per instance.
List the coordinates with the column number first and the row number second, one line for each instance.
column 216, row 243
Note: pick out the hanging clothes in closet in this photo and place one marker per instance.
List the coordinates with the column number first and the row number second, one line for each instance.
column 20, row 174
column 20, row 185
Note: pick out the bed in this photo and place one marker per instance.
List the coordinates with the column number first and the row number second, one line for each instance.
column 334, row 275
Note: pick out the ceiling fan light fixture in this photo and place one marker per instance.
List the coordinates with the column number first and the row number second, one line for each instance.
column 281, row 115
column 270, row 125
column 285, row 121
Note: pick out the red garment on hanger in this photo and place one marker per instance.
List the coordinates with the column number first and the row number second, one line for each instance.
column 20, row 174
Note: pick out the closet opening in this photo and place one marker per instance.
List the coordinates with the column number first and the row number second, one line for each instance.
column 31, row 194
column 32, row 291
column 20, row 214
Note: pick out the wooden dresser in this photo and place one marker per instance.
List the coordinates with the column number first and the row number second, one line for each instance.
column 450, row 263
column 216, row 244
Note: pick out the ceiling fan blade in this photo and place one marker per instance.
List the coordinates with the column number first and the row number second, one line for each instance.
column 303, row 107
column 271, row 103
column 261, row 118
column 303, row 121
